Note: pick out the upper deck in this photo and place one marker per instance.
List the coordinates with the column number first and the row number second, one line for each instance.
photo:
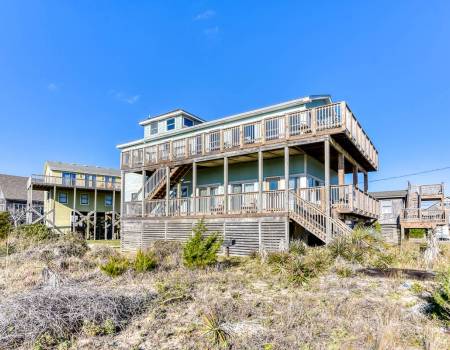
column 245, row 133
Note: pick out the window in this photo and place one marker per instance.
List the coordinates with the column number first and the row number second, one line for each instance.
column 153, row 128
column 134, row 196
column 89, row 180
column 273, row 183
column 170, row 124
column 84, row 199
column 108, row 200
column 68, row 179
column 187, row 122
column 62, row 197
column 386, row 207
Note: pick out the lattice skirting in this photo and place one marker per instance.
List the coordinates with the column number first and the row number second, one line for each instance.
column 250, row 234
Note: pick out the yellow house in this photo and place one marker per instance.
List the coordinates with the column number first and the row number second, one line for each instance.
column 80, row 198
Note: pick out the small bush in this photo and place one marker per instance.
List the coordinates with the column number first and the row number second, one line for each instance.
column 168, row 254
column 93, row 329
column 297, row 247
column 441, row 298
column 213, row 328
column 5, row 224
column 201, row 251
column 35, row 232
column 144, row 262
column 278, row 258
column 383, row 260
column 315, row 262
column 115, row 266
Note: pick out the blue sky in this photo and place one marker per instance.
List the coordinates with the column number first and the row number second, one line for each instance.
column 77, row 76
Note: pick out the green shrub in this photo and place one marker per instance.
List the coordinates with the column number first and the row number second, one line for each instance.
column 201, row 251
column 115, row 266
column 297, row 247
column 417, row 233
column 93, row 329
column 144, row 261
column 315, row 262
column 5, row 224
column 383, row 260
column 441, row 298
column 35, row 232
column 278, row 258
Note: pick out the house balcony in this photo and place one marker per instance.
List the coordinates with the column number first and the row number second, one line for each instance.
column 46, row 182
column 306, row 125
column 435, row 191
column 344, row 199
column 423, row 218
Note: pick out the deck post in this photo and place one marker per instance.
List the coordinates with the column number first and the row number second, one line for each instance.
column 54, row 206
column 366, row 182
column 143, row 193
column 74, row 206
column 327, row 188
column 260, row 180
column 341, row 169
column 225, row 185
column 29, row 218
column 194, row 185
column 95, row 213
column 113, row 216
column 355, row 176
column 167, row 189
column 286, row 194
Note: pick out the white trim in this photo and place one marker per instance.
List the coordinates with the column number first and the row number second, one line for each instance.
column 178, row 112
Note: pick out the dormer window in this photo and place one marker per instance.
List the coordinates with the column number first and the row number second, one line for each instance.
column 153, row 128
column 187, row 122
column 170, row 124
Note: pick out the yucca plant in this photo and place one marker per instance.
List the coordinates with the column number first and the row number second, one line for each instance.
column 213, row 327
column 441, row 298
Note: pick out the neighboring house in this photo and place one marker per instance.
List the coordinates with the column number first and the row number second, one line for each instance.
column 419, row 206
column 260, row 178
column 13, row 197
column 392, row 203
column 79, row 198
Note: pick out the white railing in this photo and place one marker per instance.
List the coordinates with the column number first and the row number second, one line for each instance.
column 332, row 118
column 88, row 183
column 345, row 197
column 239, row 203
column 273, row 201
column 133, row 208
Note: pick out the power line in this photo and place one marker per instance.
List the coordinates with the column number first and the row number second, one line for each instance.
column 412, row 174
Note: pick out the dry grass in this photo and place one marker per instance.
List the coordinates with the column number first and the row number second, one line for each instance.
column 249, row 303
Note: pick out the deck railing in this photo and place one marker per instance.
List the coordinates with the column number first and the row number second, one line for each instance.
column 87, row 183
column 431, row 190
column 332, row 118
column 342, row 197
column 346, row 198
column 425, row 216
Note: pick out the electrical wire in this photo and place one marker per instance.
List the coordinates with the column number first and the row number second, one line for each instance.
column 411, row 174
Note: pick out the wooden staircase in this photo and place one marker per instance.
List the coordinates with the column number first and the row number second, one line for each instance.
column 155, row 186
column 315, row 220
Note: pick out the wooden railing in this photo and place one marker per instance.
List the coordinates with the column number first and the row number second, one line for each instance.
column 332, row 118
column 431, row 190
column 425, row 216
column 2, row 205
column 70, row 182
column 345, row 197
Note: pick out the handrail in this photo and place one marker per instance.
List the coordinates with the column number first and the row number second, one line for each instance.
column 424, row 215
column 36, row 179
column 335, row 116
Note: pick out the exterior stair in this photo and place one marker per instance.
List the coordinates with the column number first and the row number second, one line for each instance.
column 155, row 186
column 314, row 219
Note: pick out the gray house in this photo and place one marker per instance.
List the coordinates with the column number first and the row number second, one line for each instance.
column 391, row 205
column 13, row 196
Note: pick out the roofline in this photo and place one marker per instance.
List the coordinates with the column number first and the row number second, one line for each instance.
column 46, row 164
column 233, row 117
column 170, row 114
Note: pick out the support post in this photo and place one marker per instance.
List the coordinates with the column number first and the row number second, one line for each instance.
column 95, row 214
column 143, row 193
column 327, row 188
column 260, row 181
column 54, row 206
column 225, row 184
column 122, row 195
column 341, row 169
column 74, row 207
column 366, row 182
column 167, row 189
column 113, row 216
column 194, row 185
column 29, row 218
column 286, row 178
column 355, row 176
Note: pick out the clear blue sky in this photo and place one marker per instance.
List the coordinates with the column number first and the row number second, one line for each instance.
column 77, row 76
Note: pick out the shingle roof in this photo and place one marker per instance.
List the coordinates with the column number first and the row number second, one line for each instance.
column 84, row 169
column 389, row 194
column 15, row 188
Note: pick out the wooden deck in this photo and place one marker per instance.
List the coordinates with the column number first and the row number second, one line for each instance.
column 44, row 182
column 335, row 119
